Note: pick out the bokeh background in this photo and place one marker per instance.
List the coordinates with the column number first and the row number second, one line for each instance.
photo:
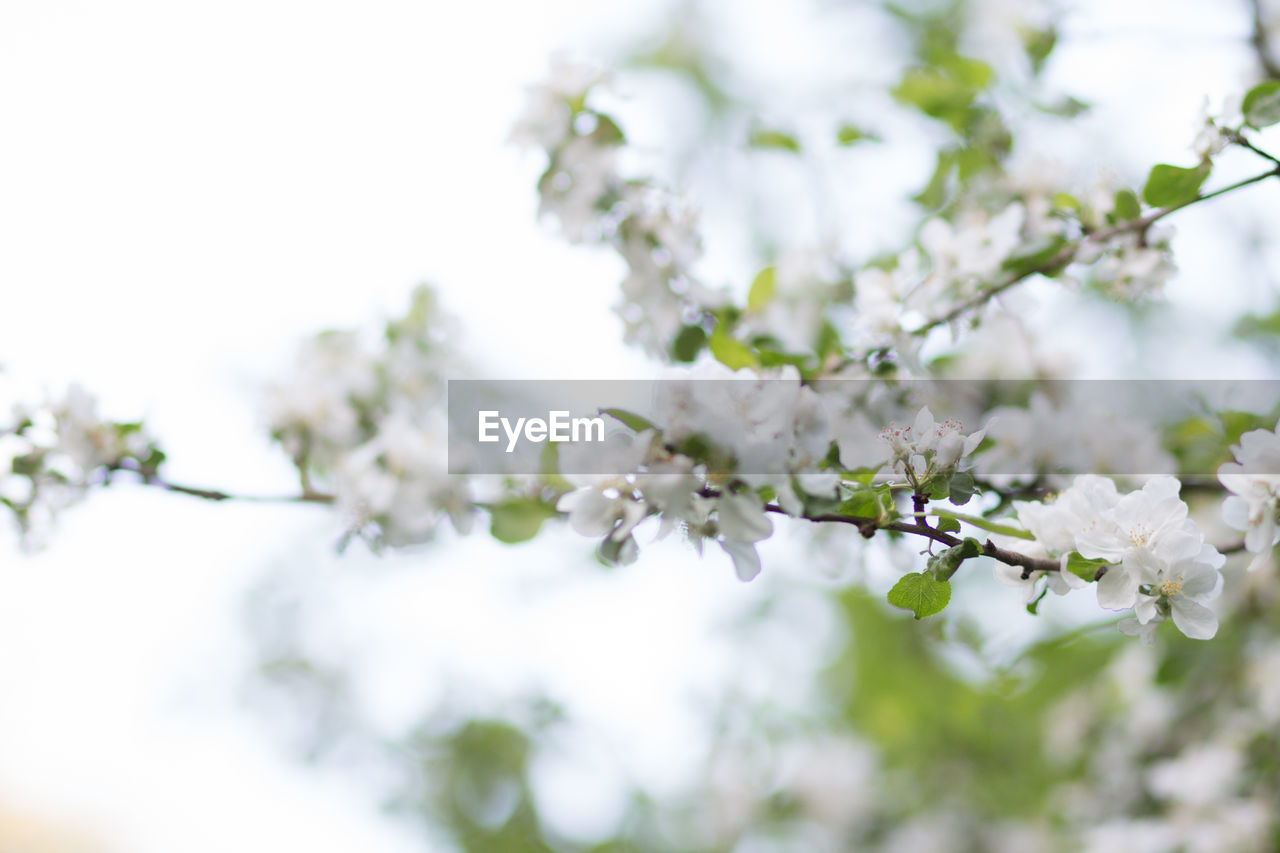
column 187, row 190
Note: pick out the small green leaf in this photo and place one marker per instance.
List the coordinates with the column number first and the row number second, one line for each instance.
column 1065, row 201
column 1084, row 568
column 728, row 351
column 607, row 132
column 1046, row 257
column 945, row 563
column 934, row 194
column 849, row 134
column 920, row 593
column 630, row 419
column 1172, row 186
column 1034, row 606
column 1038, row 44
column 961, row 488
column 762, row 289
column 518, row 520
column 688, row 343
column 948, row 524
column 937, row 487
column 775, row 139
column 1261, row 105
column 863, row 503
column 1127, row 206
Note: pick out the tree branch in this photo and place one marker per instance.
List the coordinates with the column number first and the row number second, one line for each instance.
column 1141, row 224
column 1260, row 41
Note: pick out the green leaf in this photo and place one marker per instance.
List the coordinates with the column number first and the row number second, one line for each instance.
column 945, row 563
column 1033, row 607
column 728, row 351
column 921, row 594
column 607, row 132
column 948, row 524
column 1038, row 44
column 934, row 194
column 518, row 520
column 937, row 487
column 863, row 503
column 1127, row 206
column 973, row 73
column 961, row 488
column 936, row 94
column 1066, row 107
column 849, row 134
column 984, row 523
column 1261, row 105
column 688, row 343
column 630, row 419
column 1082, row 567
column 1066, row 201
column 1172, row 186
column 775, row 139
column 1045, row 257
column 762, row 289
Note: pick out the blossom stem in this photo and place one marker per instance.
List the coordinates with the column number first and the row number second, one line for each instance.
column 1141, row 224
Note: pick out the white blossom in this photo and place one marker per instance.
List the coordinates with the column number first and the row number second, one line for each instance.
column 1254, row 480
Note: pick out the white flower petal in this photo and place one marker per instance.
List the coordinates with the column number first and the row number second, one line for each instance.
column 746, row 562
column 1193, row 618
column 1118, row 589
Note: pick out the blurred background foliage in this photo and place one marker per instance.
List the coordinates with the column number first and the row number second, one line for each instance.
column 897, row 735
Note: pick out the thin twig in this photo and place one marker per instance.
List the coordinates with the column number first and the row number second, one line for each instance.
column 1141, row 224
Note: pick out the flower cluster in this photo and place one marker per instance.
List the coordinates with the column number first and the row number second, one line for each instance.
column 50, row 454
column 1254, row 482
column 366, row 420
column 1035, row 442
column 584, row 190
column 1151, row 556
column 928, row 449
column 727, row 441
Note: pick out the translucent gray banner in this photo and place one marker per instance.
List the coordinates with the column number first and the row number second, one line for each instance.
column 1030, row 429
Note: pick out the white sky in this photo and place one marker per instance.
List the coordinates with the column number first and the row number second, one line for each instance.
column 186, row 190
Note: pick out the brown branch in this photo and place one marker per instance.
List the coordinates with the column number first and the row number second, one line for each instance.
column 1141, row 224
column 151, row 478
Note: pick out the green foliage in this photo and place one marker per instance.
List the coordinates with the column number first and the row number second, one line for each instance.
column 1127, row 207
column 979, row 743
column 688, row 343
column 1202, row 443
column 945, row 563
column 518, row 519
column 1038, row 45
column 947, row 91
column 961, row 488
column 1083, row 567
column 1173, row 186
column 1261, row 104
column 867, row 501
column 778, row 140
column 629, row 419
column 850, row 134
column 947, row 524
column 607, row 131
column 934, row 194
column 729, row 351
column 921, row 593
column 762, row 289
